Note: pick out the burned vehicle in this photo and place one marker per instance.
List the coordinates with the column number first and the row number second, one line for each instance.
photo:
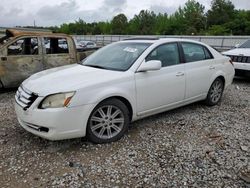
column 23, row 53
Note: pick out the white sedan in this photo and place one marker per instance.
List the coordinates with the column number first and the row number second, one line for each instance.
column 120, row 83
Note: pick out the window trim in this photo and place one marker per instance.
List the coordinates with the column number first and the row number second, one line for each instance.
column 202, row 46
column 179, row 52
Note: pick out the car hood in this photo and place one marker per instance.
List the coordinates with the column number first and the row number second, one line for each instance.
column 238, row 52
column 67, row 78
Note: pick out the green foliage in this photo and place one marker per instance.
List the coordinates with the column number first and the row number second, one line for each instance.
column 191, row 19
column 221, row 12
column 143, row 23
column 119, row 24
column 218, row 30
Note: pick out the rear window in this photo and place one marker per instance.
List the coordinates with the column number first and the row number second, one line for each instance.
column 195, row 52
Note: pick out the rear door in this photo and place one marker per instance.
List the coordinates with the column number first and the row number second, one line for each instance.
column 23, row 58
column 199, row 68
column 58, row 51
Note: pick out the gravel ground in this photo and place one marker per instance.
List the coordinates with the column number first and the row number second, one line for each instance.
column 193, row 146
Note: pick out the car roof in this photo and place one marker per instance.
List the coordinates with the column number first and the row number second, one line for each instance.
column 159, row 40
column 16, row 33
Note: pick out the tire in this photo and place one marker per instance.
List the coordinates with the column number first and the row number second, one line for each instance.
column 108, row 122
column 215, row 92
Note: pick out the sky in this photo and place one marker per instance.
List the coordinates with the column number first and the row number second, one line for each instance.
column 56, row 12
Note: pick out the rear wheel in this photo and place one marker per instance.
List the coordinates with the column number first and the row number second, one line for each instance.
column 215, row 92
column 108, row 122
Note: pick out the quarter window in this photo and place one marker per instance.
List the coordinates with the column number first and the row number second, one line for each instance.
column 195, row 52
column 56, row 45
column 168, row 54
column 207, row 53
column 25, row 46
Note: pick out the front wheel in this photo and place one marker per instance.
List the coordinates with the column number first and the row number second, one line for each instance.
column 108, row 122
column 215, row 92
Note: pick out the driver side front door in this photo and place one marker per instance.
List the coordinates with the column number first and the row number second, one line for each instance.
column 164, row 88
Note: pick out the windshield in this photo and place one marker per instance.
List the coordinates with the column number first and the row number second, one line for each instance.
column 245, row 44
column 117, row 56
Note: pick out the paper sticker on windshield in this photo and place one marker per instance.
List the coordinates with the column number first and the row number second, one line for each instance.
column 131, row 50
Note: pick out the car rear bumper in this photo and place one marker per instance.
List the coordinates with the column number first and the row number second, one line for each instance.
column 55, row 124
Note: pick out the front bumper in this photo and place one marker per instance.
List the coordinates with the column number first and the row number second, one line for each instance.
column 242, row 66
column 55, row 124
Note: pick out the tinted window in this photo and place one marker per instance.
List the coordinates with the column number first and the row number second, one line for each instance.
column 207, row 53
column 168, row 54
column 25, row 46
column 193, row 52
column 245, row 44
column 56, row 45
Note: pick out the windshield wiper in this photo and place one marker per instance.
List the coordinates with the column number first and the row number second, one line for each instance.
column 95, row 66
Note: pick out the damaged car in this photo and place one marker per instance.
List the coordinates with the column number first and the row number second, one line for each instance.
column 23, row 53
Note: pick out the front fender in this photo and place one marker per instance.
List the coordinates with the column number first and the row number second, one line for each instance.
column 96, row 94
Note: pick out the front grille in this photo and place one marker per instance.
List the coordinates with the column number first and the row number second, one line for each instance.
column 240, row 59
column 25, row 98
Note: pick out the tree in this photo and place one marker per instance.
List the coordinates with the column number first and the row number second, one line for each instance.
column 222, row 11
column 191, row 17
column 221, row 19
column 218, row 30
column 161, row 24
column 143, row 23
column 119, row 24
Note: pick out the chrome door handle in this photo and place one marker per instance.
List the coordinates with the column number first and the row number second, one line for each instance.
column 180, row 74
column 211, row 67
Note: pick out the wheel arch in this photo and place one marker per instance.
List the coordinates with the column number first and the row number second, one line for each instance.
column 124, row 101
column 222, row 78
column 220, row 75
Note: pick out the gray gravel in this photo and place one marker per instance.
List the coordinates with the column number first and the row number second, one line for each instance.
column 193, row 146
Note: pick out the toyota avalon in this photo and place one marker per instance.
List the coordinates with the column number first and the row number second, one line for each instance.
column 118, row 84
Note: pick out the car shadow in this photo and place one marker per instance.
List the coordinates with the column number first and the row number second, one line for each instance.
column 241, row 80
column 6, row 90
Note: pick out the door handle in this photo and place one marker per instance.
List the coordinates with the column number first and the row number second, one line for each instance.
column 180, row 74
column 4, row 58
column 211, row 67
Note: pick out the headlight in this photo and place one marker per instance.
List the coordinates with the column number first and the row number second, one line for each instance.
column 59, row 100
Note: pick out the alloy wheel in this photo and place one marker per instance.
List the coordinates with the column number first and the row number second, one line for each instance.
column 107, row 122
column 216, row 91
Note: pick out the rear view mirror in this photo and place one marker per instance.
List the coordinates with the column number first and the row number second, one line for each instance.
column 151, row 65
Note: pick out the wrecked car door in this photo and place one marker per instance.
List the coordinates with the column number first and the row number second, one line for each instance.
column 58, row 52
column 20, row 59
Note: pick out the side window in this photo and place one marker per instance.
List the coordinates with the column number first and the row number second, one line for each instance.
column 25, row 46
column 56, row 45
column 193, row 52
column 168, row 54
column 207, row 54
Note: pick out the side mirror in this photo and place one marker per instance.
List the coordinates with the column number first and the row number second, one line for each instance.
column 151, row 65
